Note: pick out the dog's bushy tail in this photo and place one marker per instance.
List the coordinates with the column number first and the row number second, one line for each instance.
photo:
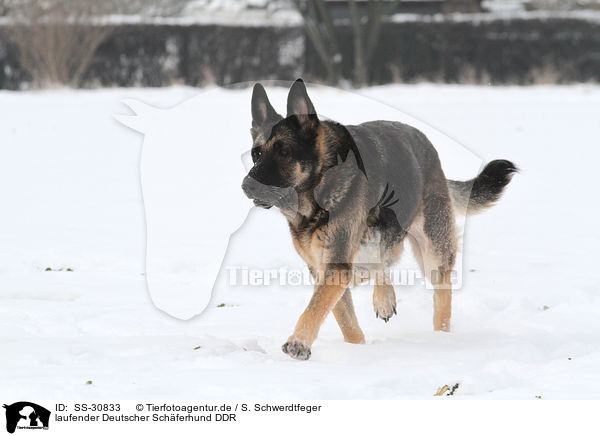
column 478, row 194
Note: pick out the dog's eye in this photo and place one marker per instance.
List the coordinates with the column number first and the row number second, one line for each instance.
column 281, row 149
column 256, row 154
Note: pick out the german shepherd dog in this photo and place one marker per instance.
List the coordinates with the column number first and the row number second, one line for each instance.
column 350, row 190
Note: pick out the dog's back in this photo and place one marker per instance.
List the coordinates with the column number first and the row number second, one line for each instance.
column 401, row 157
column 400, row 161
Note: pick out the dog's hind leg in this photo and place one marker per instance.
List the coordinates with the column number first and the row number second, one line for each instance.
column 433, row 238
column 346, row 319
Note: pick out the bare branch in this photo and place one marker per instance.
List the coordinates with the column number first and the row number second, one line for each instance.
column 359, row 67
column 322, row 34
column 56, row 39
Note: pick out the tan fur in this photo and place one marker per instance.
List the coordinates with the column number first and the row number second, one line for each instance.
column 435, row 269
column 430, row 251
column 311, row 247
column 323, row 145
column 384, row 297
column 332, row 283
column 324, row 299
column 346, row 319
column 442, row 309
column 337, row 297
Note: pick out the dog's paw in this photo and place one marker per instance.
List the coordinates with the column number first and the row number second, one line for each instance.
column 385, row 305
column 296, row 349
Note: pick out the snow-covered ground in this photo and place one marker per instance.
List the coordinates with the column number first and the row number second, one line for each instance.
column 525, row 322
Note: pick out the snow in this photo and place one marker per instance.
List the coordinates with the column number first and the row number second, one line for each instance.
column 290, row 17
column 223, row 17
column 500, row 14
column 281, row 16
column 525, row 321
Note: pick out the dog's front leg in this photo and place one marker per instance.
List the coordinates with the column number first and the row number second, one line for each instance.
column 346, row 319
column 328, row 291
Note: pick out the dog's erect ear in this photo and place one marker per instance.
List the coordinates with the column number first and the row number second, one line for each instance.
column 262, row 110
column 300, row 105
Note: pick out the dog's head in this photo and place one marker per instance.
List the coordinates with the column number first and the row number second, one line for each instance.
column 284, row 150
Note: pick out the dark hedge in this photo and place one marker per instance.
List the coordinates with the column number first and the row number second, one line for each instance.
column 517, row 51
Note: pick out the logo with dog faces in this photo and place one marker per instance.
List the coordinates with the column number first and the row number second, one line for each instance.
column 25, row 415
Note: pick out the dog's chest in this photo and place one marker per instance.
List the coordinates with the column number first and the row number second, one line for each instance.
column 311, row 248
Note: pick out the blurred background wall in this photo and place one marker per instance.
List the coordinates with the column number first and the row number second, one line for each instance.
column 90, row 43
